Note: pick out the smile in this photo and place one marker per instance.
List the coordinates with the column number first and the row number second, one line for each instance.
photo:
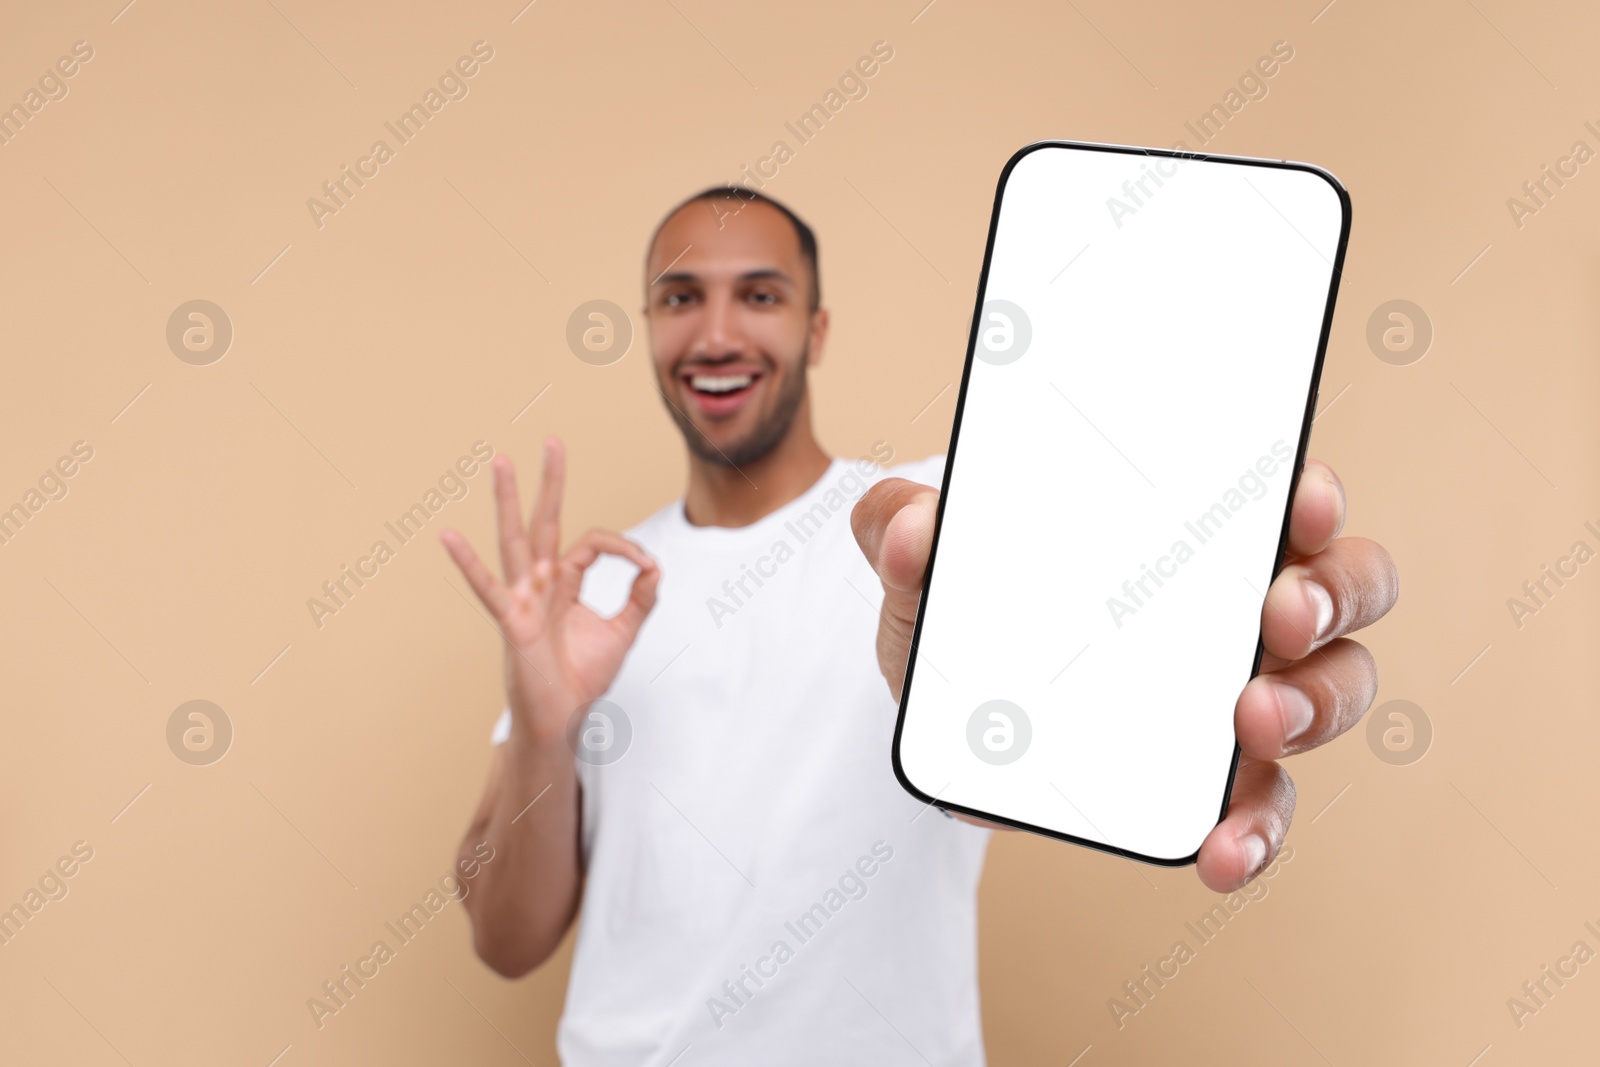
column 720, row 393
column 720, row 384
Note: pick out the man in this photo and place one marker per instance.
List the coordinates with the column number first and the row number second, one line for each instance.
column 756, row 887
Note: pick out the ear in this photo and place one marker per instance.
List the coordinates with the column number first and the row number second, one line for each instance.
column 819, row 336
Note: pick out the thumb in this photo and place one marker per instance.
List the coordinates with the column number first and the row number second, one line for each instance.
column 893, row 524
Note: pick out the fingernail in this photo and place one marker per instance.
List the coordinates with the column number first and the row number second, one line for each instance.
column 1295, row 707
column 1321, row 603
column 1254, row 847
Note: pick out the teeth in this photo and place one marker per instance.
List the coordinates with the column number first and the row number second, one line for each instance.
column 707, row 383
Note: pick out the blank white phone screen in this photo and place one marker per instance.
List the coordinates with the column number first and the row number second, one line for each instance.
column 1147, row 343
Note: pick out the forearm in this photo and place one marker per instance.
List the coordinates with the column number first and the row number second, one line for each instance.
column 522, row 903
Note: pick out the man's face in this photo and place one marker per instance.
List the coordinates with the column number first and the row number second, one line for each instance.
column 731, row 332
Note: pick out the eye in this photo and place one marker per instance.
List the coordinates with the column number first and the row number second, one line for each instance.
column 673, row 300
column 763, row 297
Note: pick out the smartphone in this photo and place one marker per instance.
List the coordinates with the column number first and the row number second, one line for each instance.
column 1140, row 382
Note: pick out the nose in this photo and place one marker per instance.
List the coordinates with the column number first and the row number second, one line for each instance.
column 721, row 336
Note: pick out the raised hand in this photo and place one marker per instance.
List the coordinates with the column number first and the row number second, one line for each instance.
column 559, row 653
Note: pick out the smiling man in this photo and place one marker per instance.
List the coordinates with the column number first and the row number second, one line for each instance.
column 713, row 786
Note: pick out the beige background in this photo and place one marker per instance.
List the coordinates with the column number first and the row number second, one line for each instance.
column 432, row 309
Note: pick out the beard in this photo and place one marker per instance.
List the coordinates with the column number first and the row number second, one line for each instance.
column 767, row 435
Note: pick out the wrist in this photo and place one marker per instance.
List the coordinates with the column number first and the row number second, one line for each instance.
column 535, row 729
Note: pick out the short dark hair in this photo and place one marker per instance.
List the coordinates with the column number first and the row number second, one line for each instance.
column 807, row 238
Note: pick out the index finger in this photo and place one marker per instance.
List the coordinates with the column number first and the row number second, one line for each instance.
column 1317, row 513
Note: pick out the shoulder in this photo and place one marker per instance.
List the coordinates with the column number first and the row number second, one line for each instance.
column 929, row 471
column 657, row 525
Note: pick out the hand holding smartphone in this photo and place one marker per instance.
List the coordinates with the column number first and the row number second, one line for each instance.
column 1133, row 417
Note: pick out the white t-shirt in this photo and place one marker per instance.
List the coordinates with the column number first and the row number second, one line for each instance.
column 759, row 888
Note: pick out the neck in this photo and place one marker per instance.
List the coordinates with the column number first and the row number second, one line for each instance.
column 720, row 495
